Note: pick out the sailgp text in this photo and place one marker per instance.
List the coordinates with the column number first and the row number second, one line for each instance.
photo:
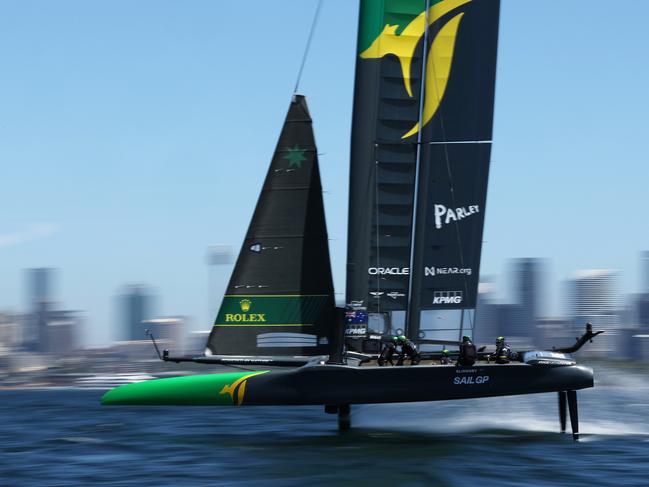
column 480, row 379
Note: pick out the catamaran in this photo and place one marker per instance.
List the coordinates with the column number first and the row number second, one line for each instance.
column 420, row 153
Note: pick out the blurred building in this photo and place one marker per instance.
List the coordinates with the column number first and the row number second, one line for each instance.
column 554, row 332
column 593, row 298
column 642, row 312
column 644, row 272
column 127, row 352
column 196, row 341
column 39, row 303
column 169, row 330
column 60, row 332
column 135, row 306
column 47, row 329
column 527, row 292
column 486, row 314
column 641, row 305
column 10, row 330
column 639, row 347
column 219, row 266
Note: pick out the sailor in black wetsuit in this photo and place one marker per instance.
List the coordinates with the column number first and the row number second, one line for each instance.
column 388, row 351
column 503, row 352
column 446, row 358
column 468, row 352
column 408, row 350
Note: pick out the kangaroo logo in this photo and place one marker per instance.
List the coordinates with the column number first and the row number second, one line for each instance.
column 440, row 54
column 237, row 389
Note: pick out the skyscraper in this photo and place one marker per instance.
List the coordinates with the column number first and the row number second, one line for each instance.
column 593, row 298
column 39, row 304
column 219, row 266
column 135, row 307
column 527, row 292
column 642, row 312
column 644, row 272
column 641, row 304
column 487, row 317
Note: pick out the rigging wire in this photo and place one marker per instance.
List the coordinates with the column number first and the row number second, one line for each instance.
column 378, row 229
column 308, row 45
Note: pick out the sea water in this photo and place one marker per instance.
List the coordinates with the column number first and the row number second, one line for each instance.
column 64, row 437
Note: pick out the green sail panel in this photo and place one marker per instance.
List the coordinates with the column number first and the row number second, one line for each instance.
column 280, row 300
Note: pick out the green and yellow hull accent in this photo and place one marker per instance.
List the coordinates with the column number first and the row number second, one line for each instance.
column 227, row 389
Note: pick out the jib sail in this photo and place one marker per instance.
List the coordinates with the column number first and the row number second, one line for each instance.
column 280, row 301
column 434, row 60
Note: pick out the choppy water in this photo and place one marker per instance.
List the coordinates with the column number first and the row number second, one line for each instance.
column 65, row 437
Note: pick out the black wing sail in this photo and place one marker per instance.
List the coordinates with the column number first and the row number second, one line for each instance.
column 421, row 140
column 453, row 170
column 280, row 299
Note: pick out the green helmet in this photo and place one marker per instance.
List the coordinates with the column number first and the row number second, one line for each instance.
column 402, row 338
column 446, row 353
column 395, row 339
column 500, row 339
column 466, row 338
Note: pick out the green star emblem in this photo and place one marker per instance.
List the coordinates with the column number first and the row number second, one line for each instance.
column 295, row 156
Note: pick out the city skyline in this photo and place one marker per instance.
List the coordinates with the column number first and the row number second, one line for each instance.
column 136, row 152
column 516, row 310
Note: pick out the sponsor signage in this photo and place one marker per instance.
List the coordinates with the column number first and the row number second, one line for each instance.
column 271, row 310
column 447, row 297
column 245, row 317
column 447, row 271
column 391, row 271
column 356, row 331
column 445, row 215
column 395, row 295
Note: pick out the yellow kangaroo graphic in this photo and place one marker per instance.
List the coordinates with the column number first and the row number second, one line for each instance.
column 439, row 59
column 231, row 389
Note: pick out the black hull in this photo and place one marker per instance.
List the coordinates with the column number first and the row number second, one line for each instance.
column 330, row 384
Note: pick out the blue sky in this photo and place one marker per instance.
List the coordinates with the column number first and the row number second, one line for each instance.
column 135, row 134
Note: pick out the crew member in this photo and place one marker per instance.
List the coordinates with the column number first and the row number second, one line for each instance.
column 446, row 357
column 388, row 351
column 408, row 350
column 503, row 352
column 468, row 352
